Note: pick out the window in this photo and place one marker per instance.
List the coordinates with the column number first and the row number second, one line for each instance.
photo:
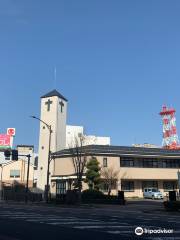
column 127, row 162
column 61, row 187
column 149, row 162
column 155, row 163
column 79, row 134
column 149, row 184
column 127, row 186
column 169, row 185
column 36, row 163
column 14, row 173
column 104, row 162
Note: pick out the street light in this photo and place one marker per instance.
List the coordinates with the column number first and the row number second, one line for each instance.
column 1, row 180
column 178, row 174
column 49, row 156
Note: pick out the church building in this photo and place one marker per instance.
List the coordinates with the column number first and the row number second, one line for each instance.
column 138, row 167
column 53, row 115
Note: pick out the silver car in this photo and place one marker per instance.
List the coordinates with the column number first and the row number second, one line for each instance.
column 152, row 193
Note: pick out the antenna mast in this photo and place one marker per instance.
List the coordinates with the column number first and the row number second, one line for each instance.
column 170, row 137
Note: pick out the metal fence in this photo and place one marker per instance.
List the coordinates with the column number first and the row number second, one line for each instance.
column 18, row 194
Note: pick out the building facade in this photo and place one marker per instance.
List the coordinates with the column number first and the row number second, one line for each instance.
column 138, row 168
column 54, row 114
column 73, row 132
column 15, row 172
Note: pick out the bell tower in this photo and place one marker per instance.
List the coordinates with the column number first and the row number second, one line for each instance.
column 54, row 114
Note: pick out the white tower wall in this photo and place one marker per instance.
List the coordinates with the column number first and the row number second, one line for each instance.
column 55, row 115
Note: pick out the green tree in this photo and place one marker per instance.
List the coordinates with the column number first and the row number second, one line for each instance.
column 93, row 173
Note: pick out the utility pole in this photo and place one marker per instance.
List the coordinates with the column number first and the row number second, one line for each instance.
column 27, row 182
column 49, row 160
column 1, row 181
column 46, row 193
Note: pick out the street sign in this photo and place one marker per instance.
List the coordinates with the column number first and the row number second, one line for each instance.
column 5, row 141
column 11, row 131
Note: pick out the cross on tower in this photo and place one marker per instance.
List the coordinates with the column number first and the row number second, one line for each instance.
column 62, row 105
column 48, row 103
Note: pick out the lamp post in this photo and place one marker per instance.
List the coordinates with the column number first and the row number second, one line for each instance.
column 49, row 156
column 178, row 174
column 1, row 180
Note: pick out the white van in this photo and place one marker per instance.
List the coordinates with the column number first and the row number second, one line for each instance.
column 152, row 193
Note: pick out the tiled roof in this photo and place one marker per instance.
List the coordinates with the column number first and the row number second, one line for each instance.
column 122, row 151
column 54, row 93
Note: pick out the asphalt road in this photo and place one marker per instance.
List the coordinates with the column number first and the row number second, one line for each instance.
column 25, row 222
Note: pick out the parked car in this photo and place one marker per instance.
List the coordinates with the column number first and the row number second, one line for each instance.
column 152, row 193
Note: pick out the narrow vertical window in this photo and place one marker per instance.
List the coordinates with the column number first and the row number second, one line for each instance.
column 104, row 162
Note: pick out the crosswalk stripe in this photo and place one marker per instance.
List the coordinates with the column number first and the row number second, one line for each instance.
column 113, row 225
column 118, row 232
column 105, row 226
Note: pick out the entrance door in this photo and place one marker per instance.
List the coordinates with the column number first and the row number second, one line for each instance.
column 60, row 188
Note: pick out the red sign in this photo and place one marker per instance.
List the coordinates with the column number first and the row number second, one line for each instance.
column 5, row 140
column 11, row 131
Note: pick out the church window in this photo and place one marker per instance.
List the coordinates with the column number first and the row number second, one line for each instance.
column 62, row 105
column 126, row 162
column 48, row 103
column 104, row 162
column 169, row 185
column 127, row 186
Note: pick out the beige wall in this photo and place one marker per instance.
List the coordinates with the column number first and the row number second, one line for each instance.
column 64, row 166
column 17, row 165
column 148, row 173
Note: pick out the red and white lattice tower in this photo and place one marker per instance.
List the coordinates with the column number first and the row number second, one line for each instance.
column 170, row 137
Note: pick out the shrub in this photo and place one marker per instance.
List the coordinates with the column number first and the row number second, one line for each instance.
column 92, row 194
column 172, row 205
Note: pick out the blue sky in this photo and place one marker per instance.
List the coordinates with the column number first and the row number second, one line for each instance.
column 117, row 63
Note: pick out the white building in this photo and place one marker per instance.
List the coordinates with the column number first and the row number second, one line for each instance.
column 146, row 145
column 73, row 132
column 54, row 114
